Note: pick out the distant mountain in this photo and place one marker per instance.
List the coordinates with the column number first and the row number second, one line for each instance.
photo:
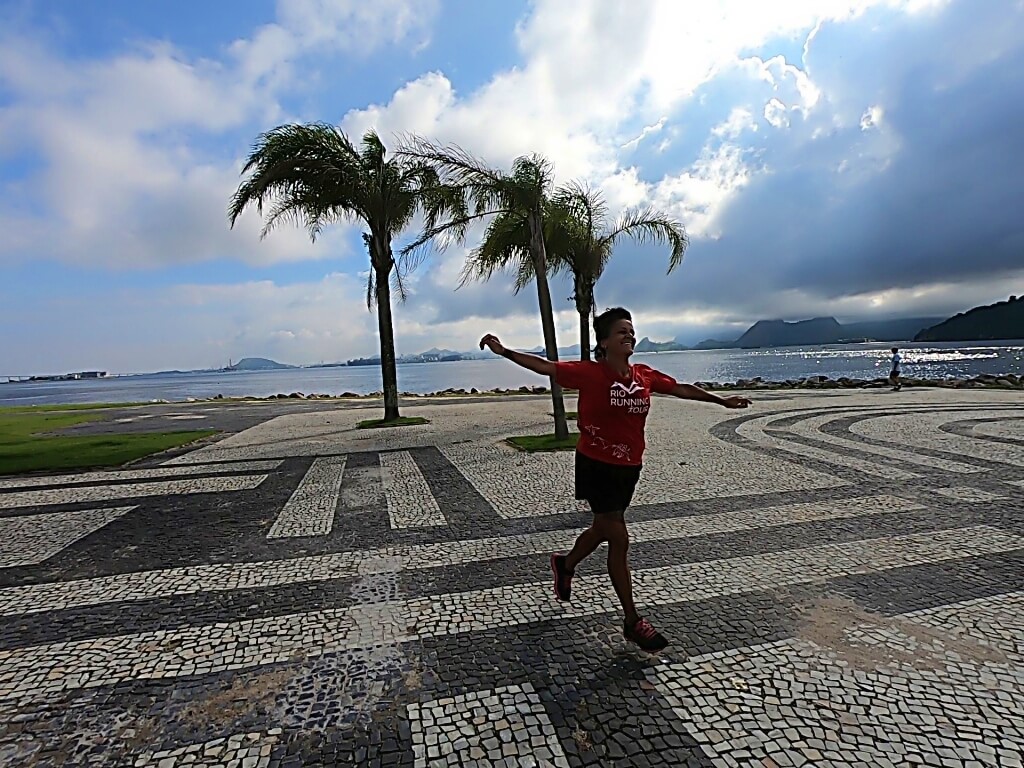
column 257, row 364
column 566, row 352
column 646, row 345
column 1003, row 320
column 887, row 330
column 820, row 330
column 779, row 333
column 714, row 344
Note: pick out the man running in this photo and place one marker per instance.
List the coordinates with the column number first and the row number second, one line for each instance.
column 894, row 371
column 614, row 398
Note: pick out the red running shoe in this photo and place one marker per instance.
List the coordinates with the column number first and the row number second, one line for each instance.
column 644, row 635
column 563, row 579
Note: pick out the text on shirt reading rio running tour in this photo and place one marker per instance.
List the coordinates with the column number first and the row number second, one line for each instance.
column 622, row 397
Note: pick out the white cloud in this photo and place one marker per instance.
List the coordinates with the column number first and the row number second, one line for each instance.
column 739, row 120
column 696, row 196
column 355, row 26
column 775, row 114
column 128, row 176
column 647, row 131
column 871, row 118
column 123, row 182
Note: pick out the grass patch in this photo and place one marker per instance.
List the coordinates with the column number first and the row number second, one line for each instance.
column 24, row 449
column 65, row 407
column 534, row 443
column 401, row 421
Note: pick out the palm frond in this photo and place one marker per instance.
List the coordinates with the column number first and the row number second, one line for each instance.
column 582, row 205
column 454, row 164
column 506, row 243
column 371, row 285
column 650, row 226
column 398, row 283
column 315, row 163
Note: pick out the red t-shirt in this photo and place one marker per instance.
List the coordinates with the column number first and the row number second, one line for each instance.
column 612, row 411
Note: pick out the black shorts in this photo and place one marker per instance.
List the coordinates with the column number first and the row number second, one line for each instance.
column 605, row 487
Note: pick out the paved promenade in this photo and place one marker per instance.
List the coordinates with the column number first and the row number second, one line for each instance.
column 841, row 575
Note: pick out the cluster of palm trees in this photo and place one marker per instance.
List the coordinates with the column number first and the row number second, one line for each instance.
column 312, row 175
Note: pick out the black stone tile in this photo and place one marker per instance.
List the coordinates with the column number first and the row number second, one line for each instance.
column 965, row 428
column 469, row 515
column 842, row 427
column 514, row 569
column 929, row 586
column 199, row 609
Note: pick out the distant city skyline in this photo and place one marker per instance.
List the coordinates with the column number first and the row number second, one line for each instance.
column 851, row 158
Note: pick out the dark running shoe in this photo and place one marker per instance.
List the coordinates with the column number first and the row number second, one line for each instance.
column 643, row 634
column 563, row 579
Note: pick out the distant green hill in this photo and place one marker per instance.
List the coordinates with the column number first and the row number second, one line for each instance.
column 257, row 364
column 1003, row 320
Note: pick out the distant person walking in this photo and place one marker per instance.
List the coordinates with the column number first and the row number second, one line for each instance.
column 614, row 398
column 894, row 370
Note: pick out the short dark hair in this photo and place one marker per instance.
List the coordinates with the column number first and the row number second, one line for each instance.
column 895, row 349
column 603, row 326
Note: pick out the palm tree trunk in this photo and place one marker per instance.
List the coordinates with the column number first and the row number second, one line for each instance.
column 385, row 328
column 547, row 317
column 584, row 333
column 584, row 307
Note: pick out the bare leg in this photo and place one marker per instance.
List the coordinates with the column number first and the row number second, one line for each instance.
column 585, row 544
column 614, row 527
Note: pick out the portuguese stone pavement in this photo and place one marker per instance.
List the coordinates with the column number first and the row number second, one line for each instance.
column 841, row 576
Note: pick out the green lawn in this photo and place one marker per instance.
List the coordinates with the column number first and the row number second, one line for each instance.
column 65, row 407
column 533, row 443
column 402, row 421
column 25, row 446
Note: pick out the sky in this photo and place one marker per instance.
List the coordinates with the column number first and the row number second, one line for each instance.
column 856, row 158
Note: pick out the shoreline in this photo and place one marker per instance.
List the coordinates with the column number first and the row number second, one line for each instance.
column 982, row 381
column 1008, row 381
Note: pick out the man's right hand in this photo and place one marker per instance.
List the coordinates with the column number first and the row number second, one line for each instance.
column 491, row 342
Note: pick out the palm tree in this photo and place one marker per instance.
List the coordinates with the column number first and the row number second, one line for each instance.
column 472, row 191
column 313, row 176
column 581, row 242
column 578, row 240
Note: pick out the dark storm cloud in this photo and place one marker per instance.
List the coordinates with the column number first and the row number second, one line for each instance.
column 931, row 195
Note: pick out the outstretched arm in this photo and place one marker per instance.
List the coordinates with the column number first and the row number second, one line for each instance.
column 690, row 392
column 530, row 362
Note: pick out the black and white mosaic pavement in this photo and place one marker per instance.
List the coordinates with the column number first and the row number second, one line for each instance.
column 842, row 580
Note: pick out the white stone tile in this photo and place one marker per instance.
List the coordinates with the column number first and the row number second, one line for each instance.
column 456, row 730
column 42, row 671
column 31, row 539
column 245, row 749
column 921, row 429
column 98, row 478
column 811, row 428
column 968, row 494
column 310, row 509
column 411, row 504
column 878, row 690
column 146, row 585
column 1010, row 428
column 755, row 430
column 76, row 495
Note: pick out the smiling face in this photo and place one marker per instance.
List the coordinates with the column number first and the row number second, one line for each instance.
column 620, row 341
